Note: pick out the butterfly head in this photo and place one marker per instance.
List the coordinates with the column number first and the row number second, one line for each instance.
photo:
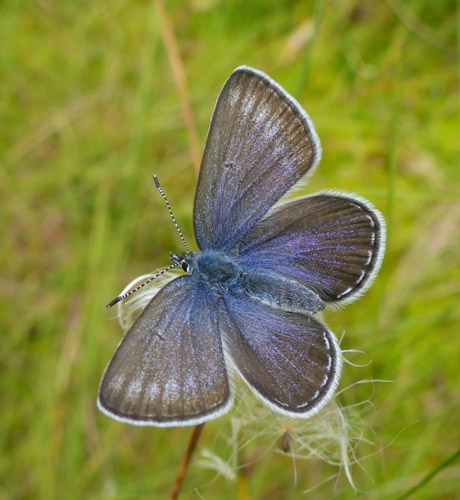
column 187, row 261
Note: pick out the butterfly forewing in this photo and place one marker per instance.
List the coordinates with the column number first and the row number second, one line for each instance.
column 260, row 143
column 290, row 360
column 331, row 242
column 169, row 368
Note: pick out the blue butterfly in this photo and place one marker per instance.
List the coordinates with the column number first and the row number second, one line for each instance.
column 248, row 297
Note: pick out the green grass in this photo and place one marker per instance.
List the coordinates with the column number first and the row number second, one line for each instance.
column 89, row 111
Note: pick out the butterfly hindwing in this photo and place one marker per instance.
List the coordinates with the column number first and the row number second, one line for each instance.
column 330, row 242
column 260, row 143
column 290, row 360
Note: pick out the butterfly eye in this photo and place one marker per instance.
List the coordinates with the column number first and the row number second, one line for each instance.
column 185, row 266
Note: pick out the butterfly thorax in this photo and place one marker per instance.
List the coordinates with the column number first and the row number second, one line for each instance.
column 216, row 269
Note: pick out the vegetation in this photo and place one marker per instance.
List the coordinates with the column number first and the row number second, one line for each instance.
column 90, row 110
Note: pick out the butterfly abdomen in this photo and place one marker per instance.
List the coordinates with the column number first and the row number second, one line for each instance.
column 281, row 293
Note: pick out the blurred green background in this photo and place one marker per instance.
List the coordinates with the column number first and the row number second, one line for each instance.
column 90, row 110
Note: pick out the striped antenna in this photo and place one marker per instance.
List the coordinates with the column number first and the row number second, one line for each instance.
column 121, row 297
column 157, row 184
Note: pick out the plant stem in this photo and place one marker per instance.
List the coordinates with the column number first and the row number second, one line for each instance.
column 431, row 475
column 186, row 461
column 180, row 80
column 317, row 15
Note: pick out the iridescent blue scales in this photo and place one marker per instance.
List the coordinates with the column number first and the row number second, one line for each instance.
column 249, row 295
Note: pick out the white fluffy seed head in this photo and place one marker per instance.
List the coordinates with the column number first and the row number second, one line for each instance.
column 131, row 307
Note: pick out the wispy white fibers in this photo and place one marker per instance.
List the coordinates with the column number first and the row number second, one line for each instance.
column 131, row 307
column 332, row 436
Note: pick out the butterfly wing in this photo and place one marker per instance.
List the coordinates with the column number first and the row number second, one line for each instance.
column 260, row 142
column 330, row 242
column 290, row 360
column 169, row 368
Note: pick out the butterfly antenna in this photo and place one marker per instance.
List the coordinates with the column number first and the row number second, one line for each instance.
column 157, row 184
column 121, row 297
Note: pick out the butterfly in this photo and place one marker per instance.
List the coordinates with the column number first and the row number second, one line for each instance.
column 248, row 299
